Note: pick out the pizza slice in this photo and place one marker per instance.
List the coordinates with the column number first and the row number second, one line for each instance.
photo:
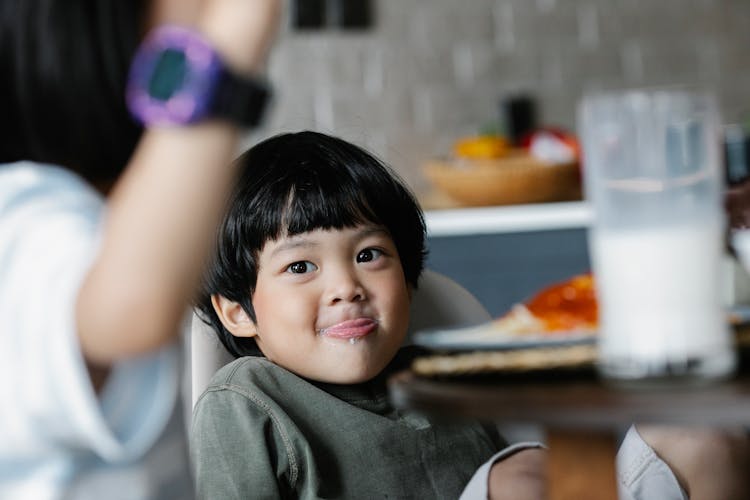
column 561, row 307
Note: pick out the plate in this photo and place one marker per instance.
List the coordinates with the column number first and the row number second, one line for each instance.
column 486, row 337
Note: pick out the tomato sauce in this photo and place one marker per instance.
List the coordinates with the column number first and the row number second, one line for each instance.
column 570, row 305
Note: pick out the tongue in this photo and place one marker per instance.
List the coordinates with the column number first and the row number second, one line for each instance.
column 351, row 328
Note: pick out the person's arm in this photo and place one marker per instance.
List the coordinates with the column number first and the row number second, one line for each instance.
column 517, row 472
column 521, row 476
column 164, row 210
column 708, row 463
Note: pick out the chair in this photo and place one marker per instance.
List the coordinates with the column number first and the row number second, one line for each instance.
column 439, row 301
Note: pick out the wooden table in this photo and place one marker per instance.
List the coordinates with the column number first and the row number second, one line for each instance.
column 581, row 415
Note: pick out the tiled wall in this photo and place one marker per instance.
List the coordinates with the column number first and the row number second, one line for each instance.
column 430, row 71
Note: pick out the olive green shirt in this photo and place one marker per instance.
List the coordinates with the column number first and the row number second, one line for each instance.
column 260, row 431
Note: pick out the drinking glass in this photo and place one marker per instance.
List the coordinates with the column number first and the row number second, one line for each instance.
column 652, row 174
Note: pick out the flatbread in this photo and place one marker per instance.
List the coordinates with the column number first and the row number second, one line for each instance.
column 510, row 361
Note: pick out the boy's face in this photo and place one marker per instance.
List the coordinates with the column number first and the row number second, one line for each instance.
column 330, row 305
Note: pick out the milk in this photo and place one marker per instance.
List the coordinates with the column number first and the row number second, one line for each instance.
column 660, row 300
column 653, row 174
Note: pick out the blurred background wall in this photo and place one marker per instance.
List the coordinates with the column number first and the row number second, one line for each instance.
column 426, row 72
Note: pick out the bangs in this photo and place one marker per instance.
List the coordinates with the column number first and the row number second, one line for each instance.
column 294, row 194
column 310, row 207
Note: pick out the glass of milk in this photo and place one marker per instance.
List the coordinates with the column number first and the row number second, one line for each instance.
column 652, row 174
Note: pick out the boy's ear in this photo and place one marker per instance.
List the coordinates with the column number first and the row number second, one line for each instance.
column 233, row 317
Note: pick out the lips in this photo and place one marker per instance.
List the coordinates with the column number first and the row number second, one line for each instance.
column 351, row 329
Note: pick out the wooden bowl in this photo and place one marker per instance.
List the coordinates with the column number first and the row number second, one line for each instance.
column 514, row 179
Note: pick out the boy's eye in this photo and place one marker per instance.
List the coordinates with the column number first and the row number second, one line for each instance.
column 368, row 254
column 301, row 267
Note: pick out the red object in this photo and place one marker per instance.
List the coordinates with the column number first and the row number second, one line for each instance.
column 565, row 137
column 570, row 305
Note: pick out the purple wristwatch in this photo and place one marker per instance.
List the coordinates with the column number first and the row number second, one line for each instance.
column 178, row 78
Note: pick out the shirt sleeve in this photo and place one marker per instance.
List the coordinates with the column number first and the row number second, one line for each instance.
column 478, row 486
column 641, row 474
column 49, row 234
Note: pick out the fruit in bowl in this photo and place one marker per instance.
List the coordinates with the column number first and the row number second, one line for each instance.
column 481, row 147
column 517, row 177
column 486, row 170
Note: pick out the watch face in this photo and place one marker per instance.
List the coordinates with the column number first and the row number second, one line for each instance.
column 173, row 77
column 168, row 77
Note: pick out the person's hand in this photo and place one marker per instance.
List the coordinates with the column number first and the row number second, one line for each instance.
column 241, row 30
column 521, row 476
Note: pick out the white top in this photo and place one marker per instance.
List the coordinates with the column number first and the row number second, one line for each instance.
column 57, row 439
column 508, row 219
column 641, row 474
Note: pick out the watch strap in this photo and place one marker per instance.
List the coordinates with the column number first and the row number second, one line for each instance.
column 241, row 100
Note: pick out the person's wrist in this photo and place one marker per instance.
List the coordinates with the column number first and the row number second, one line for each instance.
column 179, row 77
column 241, row 32
column 247, row 63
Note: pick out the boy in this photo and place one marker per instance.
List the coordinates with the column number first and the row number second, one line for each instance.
column 310, row 289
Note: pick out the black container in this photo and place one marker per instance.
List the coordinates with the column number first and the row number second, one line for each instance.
column 518, row 116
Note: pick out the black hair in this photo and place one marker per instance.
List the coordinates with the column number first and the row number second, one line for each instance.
column 64, row 67
column 298, row 182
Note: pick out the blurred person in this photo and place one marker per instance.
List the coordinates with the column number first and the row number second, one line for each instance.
column 310, row 288
column 92, row 295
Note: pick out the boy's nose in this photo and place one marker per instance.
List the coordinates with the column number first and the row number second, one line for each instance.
column 345, row 287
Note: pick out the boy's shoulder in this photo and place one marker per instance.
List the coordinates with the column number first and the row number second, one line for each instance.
column 259, row 378
column 269, row 387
